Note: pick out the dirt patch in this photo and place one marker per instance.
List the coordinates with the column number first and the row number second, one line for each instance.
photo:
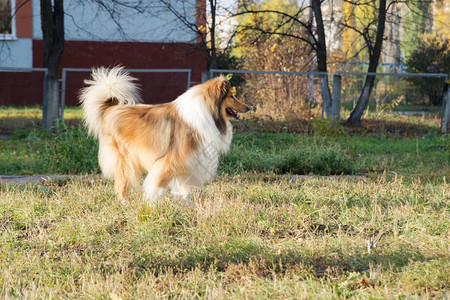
column 35, row 179
column 43, row 179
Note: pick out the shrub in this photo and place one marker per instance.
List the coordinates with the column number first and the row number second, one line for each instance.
column 431, row 56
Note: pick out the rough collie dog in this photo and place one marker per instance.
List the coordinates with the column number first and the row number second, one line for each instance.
column 176, row 144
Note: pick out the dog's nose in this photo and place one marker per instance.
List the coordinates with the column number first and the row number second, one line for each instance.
column 247, row 108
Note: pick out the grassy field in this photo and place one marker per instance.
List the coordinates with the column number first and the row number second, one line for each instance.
column 253, row 233
column 71, row 151
column 247, row 236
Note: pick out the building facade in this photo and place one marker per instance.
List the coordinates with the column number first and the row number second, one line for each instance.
column 135, row 37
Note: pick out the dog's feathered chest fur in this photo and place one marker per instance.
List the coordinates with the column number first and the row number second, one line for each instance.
column 191, row 108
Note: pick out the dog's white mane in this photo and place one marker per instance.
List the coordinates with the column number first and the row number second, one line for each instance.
column 203, row 164
column 192, row 109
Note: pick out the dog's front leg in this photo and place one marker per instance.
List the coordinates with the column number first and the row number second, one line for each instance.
column 180, row 188
column 156, row 182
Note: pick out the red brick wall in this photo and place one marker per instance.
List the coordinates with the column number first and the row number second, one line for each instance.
column 21, row 88
column 156, row 88
column 24, row 19
column 27, row 88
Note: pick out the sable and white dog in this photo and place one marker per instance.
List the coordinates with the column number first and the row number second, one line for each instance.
column 177, row 144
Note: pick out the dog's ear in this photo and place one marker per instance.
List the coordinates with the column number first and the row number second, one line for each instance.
column 219, row 88
column 225, row 87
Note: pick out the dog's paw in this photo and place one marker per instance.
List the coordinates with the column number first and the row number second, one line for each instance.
column 152, row 203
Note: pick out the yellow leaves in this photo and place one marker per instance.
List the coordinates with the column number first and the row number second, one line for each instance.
column 441, row 19
column 272, row 49
column 348, row 35
column 202, row 29
column 356, row 17
column 271, row 230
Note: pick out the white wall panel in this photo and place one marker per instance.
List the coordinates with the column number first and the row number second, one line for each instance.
column 87, row 21
column 16, row 53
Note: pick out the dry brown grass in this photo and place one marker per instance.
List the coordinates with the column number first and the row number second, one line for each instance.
column 245, row 237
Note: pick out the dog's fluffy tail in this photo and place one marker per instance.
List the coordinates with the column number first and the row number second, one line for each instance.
column 105, row 88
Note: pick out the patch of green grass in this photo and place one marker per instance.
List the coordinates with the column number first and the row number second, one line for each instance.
column 254, row 236
column 419, row 156
column 27, row 118
column 286, row 153
column 71, row 151
column 281, row 153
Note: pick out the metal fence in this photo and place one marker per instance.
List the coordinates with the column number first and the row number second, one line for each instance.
column 276, row 95
column 26, row 86
column 286, row 95
column 416, row 88
column 157, row 85
column 22, row 86
column 401, row 93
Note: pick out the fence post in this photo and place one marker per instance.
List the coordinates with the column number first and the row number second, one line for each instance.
column 63, row 92
column 44, row 101
column 445, row 125
column 336, row 98
column 207, row 75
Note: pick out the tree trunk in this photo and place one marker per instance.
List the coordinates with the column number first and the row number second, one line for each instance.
column 363, row 99
column 445, row 125
column 311, row 56
column 52, row 22
column 374, row 57
column 321, row 51
column 212, row 31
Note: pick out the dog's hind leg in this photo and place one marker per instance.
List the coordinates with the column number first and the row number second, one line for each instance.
column 125, row 176
column 115, row 165
column 121, row 186
column 156, row 182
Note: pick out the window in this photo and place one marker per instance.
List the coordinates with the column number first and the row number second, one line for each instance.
column 7, row 24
